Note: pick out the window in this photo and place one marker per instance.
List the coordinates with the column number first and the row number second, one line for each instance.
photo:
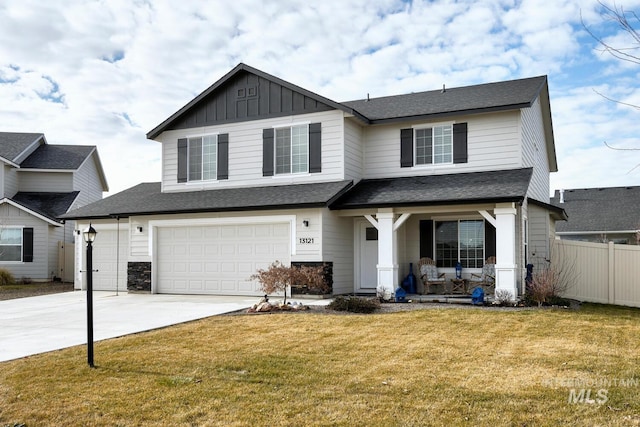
column 292, row 149
column 203, row 157
column 434, row 145
column 460, row 241
column 11, row 244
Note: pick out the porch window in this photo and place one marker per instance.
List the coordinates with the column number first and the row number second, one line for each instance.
column 462, row 241
column 203, row 157
column 434, row 145
column 292, row 149
column 11, row 244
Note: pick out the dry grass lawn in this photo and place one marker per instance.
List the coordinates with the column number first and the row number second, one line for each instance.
column 447, row 366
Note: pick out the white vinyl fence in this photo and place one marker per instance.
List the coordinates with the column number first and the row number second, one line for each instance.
column 604, row 272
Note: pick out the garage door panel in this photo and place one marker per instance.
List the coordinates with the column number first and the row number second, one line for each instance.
column 218, row 259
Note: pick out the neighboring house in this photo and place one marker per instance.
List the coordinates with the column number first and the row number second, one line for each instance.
column 600, row 215
column 256, row 169
column 39, row 183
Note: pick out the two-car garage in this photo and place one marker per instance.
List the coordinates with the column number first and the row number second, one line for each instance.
column 217, row 259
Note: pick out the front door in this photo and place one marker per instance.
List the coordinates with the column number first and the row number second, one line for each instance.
column 368, row 257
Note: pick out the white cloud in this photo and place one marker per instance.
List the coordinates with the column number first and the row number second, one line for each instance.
column 105, row 73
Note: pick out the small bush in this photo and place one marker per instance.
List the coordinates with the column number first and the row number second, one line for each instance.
column 278, row 277
column 6, row 277
column 354, row 304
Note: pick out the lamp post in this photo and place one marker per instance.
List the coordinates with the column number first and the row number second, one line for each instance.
column 89, row 236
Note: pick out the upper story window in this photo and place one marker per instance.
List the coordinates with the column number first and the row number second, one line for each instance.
column 11, row 244
column 434, row 145
column 442, row 144
column 202, row 158
column 203, row 155
column 292, row 149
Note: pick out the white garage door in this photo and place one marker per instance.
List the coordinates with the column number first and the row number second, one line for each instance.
column 217, row 259
column 105, row 248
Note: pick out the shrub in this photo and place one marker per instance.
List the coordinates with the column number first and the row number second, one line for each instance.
column 545, row 286
column 6, row 277
column 503, row 298
column 354, row 304
column 278, row 277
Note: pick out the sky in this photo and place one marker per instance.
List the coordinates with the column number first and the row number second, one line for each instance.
column 106, row 72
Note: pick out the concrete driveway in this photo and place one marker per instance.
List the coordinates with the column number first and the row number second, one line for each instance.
column 35, row 325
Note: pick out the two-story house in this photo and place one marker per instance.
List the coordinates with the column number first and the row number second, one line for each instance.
column 40, row 182
column 256, row 169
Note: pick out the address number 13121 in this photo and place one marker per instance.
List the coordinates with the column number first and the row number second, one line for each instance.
column 305, row 240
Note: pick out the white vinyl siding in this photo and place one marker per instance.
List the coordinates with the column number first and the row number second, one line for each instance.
column 353, row 150
column 87, row 181
column 41, row 267
column 540, row 224
column 60, row 182
column 534, row 151
column 10, row 181
column 337, row 247
column 493, row 144
column 245, row 153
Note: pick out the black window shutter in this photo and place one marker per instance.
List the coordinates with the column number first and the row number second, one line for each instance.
column 267, row 152
column 460, row 143
column 182, row 160
column 489, row 240
column 27, row 244
column 406, row 148
column 426, row 238
column 315, row 148
column 223, row 156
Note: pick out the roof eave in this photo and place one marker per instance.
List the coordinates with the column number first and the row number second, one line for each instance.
column 200, row 210
column 473, row 111
column 510, row 199
column 52, row 221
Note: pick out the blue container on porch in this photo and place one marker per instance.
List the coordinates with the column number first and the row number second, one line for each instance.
column 477, row 296
column 401, row 295
column 411, row 281
column 458, row 270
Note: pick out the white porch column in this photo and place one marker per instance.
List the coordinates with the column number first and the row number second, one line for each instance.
column 387, row 255
column 506, row 248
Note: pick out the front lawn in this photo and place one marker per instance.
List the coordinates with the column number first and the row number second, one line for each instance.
column 451, row 366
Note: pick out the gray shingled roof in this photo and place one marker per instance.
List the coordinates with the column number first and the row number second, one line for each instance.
column 50, row 205
column 475, row 187
column 58, row 157
column 12, row 144
column 599, row 209
column 484, row 97
column 147, row 199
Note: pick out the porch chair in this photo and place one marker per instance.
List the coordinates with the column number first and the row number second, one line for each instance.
column 429, row 274
column 486, row 279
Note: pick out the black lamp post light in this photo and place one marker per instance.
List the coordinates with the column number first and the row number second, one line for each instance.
column 89, row 236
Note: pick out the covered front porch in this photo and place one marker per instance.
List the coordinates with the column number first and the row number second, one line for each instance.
column 459, row 218
column 391, row 243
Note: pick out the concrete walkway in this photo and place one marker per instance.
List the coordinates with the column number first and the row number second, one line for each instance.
column 35, row 325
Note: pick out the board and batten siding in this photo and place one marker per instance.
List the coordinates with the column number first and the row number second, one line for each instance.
column 337, row 238
column 493, row 144
column 534, row 151
column 40, row 268
column 87, row 180
column 49, row 182
column 245, row 153
column 353, row 150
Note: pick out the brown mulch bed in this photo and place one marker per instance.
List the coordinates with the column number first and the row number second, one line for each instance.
column 33, row 289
